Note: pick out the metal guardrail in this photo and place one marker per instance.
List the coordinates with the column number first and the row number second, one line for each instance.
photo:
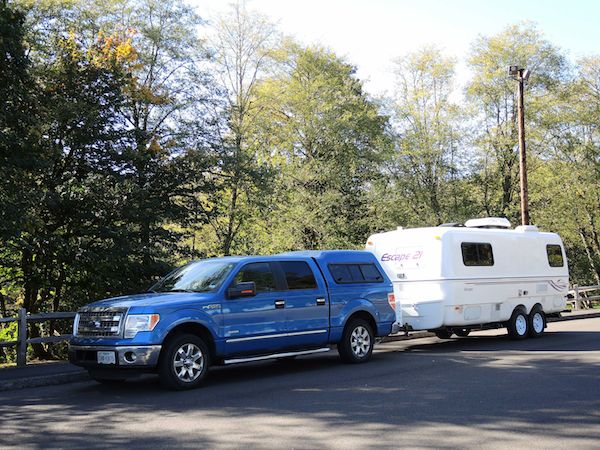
column 578, row 301
column 22, row 341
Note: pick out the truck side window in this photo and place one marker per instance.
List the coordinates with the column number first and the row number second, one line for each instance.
column 355, row 273
column 260, row 273
column 298, row 275
column 477, row 254
column 555, row 256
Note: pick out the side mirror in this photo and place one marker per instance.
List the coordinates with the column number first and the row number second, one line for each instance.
column 246, row 289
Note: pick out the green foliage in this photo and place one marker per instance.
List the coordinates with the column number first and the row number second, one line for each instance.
column 327, row 140
column 492, row 94
column 102, row 175
column 428, row 166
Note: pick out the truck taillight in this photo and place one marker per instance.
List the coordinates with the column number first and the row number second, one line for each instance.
column 392, row 300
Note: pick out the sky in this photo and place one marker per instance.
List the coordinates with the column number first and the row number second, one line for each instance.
column 371, row 33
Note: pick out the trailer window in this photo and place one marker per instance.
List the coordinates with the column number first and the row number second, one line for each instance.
column 298, row 275
column 355, row 273
column 555, row 256
column 477, row 254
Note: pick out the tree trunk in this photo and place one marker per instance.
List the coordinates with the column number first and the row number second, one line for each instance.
column 231, row 216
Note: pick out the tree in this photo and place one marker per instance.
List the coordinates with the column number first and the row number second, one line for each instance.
column 492, row 95
column 328, row 140
column 566, row 188
column 428, row 163
column 107, row 161
column 243, row 42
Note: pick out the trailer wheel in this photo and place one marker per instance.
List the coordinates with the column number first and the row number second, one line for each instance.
column 443, row 334
column 537, row 321
column 462, row 332
column 183, row 362
column 357, row 341
column 518, row 324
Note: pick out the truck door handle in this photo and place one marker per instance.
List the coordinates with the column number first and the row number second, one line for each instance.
column 320, row 301
column 279, row 304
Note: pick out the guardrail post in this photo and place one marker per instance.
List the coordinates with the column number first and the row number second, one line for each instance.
column 577, row 301
column 22, row 338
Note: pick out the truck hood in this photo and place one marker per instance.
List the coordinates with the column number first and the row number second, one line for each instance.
column 153, row 299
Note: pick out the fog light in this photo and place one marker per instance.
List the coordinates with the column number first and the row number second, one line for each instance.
column 130, row 357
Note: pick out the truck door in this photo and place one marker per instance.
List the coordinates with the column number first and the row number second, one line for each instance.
column 256, row 324
column 306, row 304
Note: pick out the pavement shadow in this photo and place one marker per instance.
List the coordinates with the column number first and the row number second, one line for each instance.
column 444, row 394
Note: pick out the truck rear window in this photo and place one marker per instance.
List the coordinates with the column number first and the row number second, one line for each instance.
column 298, row 275
column 555, row 256
column 355, row 273
column 477, row 254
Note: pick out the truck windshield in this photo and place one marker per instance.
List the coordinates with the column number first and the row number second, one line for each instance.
column 200, row 276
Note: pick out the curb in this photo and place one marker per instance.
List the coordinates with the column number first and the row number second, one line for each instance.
column 591, row 315
column 82, row 375
column 39, row 381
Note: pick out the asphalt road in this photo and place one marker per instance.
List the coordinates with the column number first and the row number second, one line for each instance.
column 482, row 391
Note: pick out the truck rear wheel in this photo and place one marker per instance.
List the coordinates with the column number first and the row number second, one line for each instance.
column 183, row 362
column 537, row 321
column 357, row 342
column 462, row 332
column 518, row 324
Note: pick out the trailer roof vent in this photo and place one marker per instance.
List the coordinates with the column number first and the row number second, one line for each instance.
column 527, row 228
column 451, row 225
column 488, row 222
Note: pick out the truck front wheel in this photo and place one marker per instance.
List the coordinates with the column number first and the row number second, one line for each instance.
column 357, row 341
column 184, row 362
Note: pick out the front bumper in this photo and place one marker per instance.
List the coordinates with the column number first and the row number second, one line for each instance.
column 145, row 356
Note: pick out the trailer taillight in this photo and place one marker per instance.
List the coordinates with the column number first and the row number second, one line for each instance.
column 392, row 300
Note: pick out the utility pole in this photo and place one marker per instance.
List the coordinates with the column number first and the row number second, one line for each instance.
column 522, row 75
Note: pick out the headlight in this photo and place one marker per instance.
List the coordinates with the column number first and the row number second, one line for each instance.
column 140, row 322
column 75, row 324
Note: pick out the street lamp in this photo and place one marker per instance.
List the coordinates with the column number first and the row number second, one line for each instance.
column 522, row 75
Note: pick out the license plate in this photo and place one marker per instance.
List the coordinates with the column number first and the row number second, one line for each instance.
column 106, row 358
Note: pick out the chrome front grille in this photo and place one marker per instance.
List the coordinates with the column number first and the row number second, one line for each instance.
column 100, row 323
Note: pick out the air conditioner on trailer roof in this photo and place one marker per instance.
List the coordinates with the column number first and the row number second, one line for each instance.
column 488, row 222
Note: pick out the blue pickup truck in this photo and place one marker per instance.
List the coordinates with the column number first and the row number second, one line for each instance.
column 237, row 309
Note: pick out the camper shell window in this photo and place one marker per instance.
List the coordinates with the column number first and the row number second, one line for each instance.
column 555, row 256
column 477, row 254
column 355, row 273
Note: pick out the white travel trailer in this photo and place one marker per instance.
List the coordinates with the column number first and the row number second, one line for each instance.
column 452, row 278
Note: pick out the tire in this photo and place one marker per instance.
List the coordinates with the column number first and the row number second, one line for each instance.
column 443, row 334
column 183, row 362
column 357, row 342
column 518, row 324
column 537, row 322
column 462, row 332
column 103, row 380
